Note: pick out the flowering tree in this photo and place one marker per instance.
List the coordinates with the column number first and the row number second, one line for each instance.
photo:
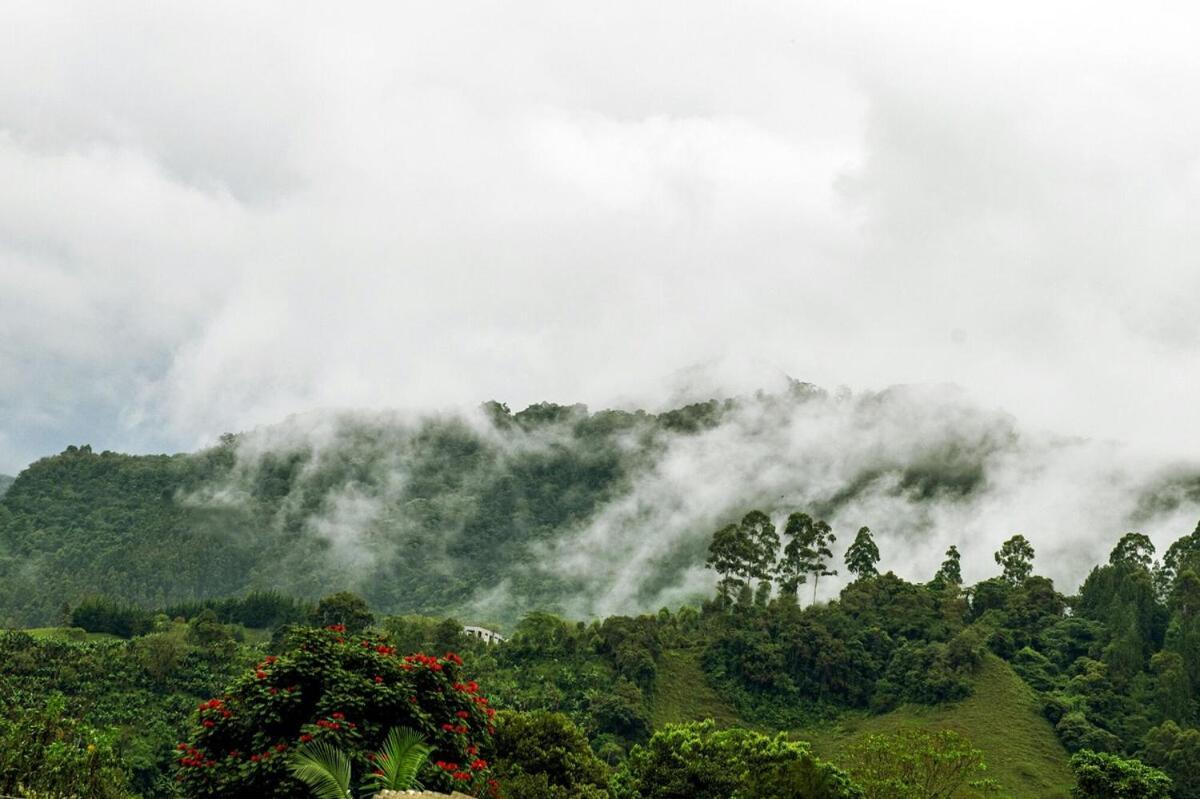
column 346, row 691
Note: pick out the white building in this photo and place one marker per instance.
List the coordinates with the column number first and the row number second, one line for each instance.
column 484, row 634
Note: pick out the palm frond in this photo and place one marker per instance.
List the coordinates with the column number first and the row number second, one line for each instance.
column 399, row 761
column 323, row 768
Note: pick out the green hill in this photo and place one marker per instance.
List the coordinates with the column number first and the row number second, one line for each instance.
column 1002, row 717
column 5, row 482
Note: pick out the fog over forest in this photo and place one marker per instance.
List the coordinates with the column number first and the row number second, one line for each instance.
column 924, row 467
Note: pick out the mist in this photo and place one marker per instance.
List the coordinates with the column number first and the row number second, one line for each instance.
column 924, row 466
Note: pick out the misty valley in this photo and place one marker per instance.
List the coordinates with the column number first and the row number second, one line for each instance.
column 776, row 596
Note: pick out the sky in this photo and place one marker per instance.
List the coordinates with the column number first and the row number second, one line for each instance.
column 217, row 214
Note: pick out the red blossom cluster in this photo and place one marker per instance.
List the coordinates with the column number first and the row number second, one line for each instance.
column 421, row 659
column 462, row 728
column 194, row 758
column 453, row 770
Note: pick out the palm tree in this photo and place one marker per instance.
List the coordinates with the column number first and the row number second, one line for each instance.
column 397, row 763
column 323, row 768
column 326, row 769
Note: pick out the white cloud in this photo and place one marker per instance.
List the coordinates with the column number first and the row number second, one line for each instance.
column 214, row 215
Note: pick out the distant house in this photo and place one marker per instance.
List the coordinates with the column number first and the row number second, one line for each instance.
column 484, row 634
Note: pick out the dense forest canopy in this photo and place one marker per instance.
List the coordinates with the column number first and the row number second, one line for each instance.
column 5, row 482
column 556, row 507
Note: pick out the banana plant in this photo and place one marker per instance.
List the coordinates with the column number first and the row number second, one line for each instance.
column 325, row 769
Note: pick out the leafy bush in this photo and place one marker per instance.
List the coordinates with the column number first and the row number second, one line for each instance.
column 542, row 754
column 696, row 761
column 346, row 691
column 1105, row 776
column 918, row 765
column 42, row 750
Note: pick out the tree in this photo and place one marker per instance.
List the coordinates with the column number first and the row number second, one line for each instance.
column 1176, row 750
column 1182, row 555
column 790, row 570
column 951, row 569
column 345, row 608
column 346, row 691
column 698, row 761
column 809, row 549
column 862, row 555
column 728, row 555
column 326, row 769
column 763, row 544
column 917, row 764
column 1104, row 776
column 541, row 754
column 1016, row 558
column 1134, row 550
column 743, row 552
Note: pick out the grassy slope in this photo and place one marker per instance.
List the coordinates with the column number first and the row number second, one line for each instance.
column 1002, row 718
column 682, row 694
column 68, row 634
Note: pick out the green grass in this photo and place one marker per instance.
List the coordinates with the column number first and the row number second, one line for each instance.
column 1002, row 718
column 68, row 634
column 682, row 693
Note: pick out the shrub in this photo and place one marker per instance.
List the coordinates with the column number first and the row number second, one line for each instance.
column 43, row 751
column 103, row 615
column 542, row 754
column 345, row 691
column 917, row 765
column 696, row 761
column 1105, row 776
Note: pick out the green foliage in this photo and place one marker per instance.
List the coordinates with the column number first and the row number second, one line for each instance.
column 399, row 761
column 862, row 555
column 43, row 750
column 1106, row 776
column 1016, row 558
column 258, row 609
column 743, row 552
column 919, row 764
column 951, row 568
column 324, row 768
column 1133, row 551
column 103, row 615
column 697, row 761
column 342, row 689
column 343, row 608
column 543, row 755
column 1176, row 751
column 807, row 552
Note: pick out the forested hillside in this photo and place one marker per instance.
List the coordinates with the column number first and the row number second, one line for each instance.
column 555, row 507
column 5, row 482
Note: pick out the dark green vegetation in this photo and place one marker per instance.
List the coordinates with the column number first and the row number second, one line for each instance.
column 186, row 616
column 984, row 690
column 415, row 515
column 5, row 482
column 449, row 514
